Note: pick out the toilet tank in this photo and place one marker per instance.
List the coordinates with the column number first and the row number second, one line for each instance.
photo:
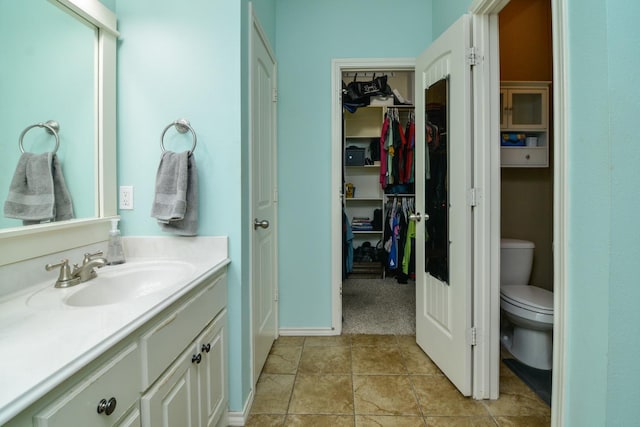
column 516, row 259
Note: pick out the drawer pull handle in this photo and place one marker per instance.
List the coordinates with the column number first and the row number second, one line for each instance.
column 206, row 348
column 197, row 358
column 528, row 156
column 107, row 407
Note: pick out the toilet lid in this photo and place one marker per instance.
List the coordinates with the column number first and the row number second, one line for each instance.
column 538, row 299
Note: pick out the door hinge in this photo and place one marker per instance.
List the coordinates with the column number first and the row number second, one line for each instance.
column 472, row 56
column 275, row 294
column 472, row 336
column 473, row 197
column 275, row 195
column 274, row 95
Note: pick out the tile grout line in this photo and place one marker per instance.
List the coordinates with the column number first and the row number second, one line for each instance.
column 295, row 379
column 411, row 382
column 353, row 382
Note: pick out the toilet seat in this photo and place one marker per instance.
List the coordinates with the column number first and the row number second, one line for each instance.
column 530, row 298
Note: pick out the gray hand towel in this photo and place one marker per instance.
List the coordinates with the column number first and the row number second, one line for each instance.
column 170, row 200
column 38, row 192
column 175, row 204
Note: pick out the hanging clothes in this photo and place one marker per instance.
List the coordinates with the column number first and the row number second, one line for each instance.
column 409, row 171
column 347, row 246
column 383, row 151
column 397, row 144
column 397, row 236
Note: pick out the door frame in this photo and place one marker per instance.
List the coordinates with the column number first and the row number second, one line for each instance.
column 487, row 24
column 338, row 66
column 255, row 24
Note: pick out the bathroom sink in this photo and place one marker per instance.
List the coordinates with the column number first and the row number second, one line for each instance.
column 127, row 282
column 116, row 284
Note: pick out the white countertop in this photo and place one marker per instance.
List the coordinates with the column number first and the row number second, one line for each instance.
column 41, row 345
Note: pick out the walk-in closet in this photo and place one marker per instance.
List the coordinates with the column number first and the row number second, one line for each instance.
column 378, row 129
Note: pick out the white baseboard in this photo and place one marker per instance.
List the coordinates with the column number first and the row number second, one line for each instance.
column 307, row 332
column 240, row 418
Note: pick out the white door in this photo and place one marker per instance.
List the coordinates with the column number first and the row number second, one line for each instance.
column 443, row 183
column 263, row 198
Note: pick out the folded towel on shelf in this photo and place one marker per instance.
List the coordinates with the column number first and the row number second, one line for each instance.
column 38, row 192
column 175, row 204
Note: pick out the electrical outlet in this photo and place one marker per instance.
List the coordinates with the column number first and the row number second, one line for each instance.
column 126, row 197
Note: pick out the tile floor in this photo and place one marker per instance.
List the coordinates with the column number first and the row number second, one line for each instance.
column 377, row 380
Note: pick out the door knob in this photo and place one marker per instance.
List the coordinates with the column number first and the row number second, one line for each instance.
column 256, row 223
column 417, row 217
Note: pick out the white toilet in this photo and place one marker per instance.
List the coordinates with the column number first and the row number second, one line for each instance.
column 529, row 309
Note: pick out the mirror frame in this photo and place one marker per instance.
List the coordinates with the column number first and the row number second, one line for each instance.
column 22, row 243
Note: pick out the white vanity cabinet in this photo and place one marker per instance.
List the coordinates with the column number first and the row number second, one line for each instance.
column 524, row 119
column 171, row 370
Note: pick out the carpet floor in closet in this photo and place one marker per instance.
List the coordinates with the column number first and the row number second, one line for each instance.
column 378, row 307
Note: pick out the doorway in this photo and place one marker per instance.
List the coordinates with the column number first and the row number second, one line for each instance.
column 378, row 287
column 526, row 198
column 363, row 285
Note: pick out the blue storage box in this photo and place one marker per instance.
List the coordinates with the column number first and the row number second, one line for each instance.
column 513, row 139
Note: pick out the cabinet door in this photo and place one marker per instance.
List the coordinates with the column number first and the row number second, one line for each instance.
column 212, row 372
column 173, row 400
column 527, row 109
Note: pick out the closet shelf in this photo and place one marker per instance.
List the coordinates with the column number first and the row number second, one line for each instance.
column 367, row 231
column 363, row 199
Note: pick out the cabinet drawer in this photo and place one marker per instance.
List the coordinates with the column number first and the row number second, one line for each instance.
column 118, row 379
column 524, row 156
column 166, row 340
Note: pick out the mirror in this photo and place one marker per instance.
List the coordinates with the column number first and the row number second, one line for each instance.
column 62, row 55
column 437, row 185
column 52, row 76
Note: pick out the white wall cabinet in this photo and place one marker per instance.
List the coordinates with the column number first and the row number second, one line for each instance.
column 524, row 124
column 172, row 371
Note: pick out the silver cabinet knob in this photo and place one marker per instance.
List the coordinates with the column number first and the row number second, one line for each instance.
column 256, row 223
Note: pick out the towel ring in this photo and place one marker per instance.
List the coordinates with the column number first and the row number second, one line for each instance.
column 51, row 126
column 182, row 126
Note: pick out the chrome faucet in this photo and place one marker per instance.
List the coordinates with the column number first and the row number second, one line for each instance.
column 80, row 274
column 89, row 262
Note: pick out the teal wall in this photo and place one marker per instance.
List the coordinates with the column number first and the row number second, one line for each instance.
column 604, row 154
column 190, row 61
column 589, row 247
column 623, row 376
column 446, row 12
column 309, row 35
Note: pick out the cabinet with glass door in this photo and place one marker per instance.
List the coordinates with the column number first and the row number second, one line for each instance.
column 524, row 124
